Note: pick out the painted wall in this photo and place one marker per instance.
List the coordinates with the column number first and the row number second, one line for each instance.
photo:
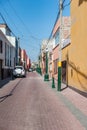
column 66, row 24
column 78, row 50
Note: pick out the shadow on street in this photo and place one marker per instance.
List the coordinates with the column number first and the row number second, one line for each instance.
column 10, row 93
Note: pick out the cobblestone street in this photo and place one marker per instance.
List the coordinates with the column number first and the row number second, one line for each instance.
column 31, row 104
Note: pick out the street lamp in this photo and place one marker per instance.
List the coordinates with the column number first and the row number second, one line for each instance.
column 46, row 76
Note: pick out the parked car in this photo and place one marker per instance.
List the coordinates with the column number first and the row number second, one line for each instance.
column 19, row 71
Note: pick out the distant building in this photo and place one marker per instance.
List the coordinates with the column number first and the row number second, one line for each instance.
column 28, row 63
column 24, row 58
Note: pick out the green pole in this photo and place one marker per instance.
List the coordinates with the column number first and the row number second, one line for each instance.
column 59, row 76
column 46, row 64
column 53, row 83
column 46, row 76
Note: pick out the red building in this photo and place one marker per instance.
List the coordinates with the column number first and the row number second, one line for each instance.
column 28, row 63
column 25, row 61
column 24, row 58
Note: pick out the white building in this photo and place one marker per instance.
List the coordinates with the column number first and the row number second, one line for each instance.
column 7, row 52
column 7, row 56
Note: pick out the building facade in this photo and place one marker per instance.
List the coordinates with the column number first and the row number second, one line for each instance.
column 12, row 39
column 77, row 76
column 66, row 26
column 7, row 56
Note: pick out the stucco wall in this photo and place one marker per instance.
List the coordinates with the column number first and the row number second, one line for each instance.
column 55, row 53
column 78, row 50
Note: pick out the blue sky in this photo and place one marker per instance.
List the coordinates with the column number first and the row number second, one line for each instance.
column 31, row 20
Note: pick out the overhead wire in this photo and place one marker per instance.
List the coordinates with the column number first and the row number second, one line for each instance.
column 11, row 20
column 33, row 37
column 63, row 6
column 67, row 4
column 2, row 17
column 4, row 20
column 20, row 19
column 53, row 27
column 24, row 25
column 33, row 48
column 18, row 15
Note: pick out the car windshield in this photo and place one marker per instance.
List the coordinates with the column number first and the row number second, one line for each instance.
column 18, row 67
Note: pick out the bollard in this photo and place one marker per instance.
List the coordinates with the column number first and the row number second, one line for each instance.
column 53, row 83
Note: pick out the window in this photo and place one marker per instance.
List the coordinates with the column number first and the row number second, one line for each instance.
column 1, row 46
column 5, row 54
column 57, row 37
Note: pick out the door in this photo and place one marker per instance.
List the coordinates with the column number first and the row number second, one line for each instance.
column 64, row 71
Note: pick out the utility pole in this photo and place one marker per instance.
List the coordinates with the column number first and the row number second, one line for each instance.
column 18, row 50
column 60, row 49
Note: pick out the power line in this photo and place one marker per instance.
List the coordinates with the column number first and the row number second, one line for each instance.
column 28, row 30
column 53, row 26
column 6, row 23
column 63, row 6
column 33, row 37
column 17, row 28
column 67, row 4
column 2, row 18
column 17, row 15
column 11, row 20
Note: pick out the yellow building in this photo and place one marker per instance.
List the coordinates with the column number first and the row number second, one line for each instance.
column 77, row 52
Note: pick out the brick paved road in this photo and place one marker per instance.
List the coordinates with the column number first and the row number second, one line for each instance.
column 30, row 104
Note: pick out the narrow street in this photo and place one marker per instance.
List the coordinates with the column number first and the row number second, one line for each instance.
column 31, row 104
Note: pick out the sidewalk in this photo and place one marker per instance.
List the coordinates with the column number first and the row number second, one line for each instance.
column 73, row 96
column 4, row 81
column 74, row 101
column 6, row 87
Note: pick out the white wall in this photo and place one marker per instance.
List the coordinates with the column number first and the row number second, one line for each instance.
column 6, row 52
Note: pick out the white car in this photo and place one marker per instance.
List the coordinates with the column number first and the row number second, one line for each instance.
column 19, row 71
